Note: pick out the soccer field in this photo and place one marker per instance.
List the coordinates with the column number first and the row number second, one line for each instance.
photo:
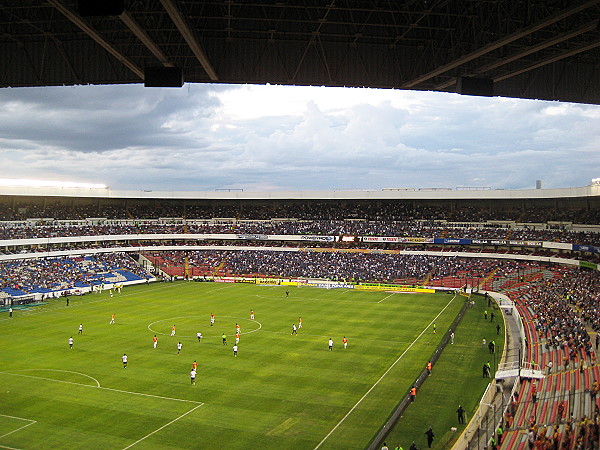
column 281, row 391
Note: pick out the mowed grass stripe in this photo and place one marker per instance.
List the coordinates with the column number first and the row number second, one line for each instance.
column 281, row 391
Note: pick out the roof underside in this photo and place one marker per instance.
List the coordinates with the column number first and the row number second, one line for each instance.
column 537, row 49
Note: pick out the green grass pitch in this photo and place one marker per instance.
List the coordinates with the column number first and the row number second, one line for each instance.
column 281, row 391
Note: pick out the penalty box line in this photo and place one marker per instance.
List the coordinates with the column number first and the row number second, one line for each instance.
column 384, row 374
column 104, row 388
column 31, row 422
column 198, row 404
column 164, row 426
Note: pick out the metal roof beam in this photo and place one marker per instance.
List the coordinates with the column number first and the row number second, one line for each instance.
column 544, row 62
column 145, row 39
column 526, row 52
column 83, row 26
column 500, row 43
column 189, row 37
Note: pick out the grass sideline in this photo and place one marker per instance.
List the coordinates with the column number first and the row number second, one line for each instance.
column 282, row 391
column 456, row 379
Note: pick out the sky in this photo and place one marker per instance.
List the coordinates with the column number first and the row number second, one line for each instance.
column 204, row 137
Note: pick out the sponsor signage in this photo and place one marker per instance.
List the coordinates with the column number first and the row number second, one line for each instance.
column 410, row 240
column 267, row 281
column 452, row 241
column 317, row 238
column 390, row 287
column 416, row 240
column 252, row 237
column 589, row 265
column 586, row 248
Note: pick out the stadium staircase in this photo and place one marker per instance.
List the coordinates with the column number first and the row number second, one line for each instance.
column 218, row 271
column 427, row 279
column 486, row 284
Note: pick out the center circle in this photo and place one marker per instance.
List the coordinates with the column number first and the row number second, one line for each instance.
column 188, row 326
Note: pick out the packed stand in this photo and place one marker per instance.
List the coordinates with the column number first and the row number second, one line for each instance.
column 47, row 275
column 560, row 313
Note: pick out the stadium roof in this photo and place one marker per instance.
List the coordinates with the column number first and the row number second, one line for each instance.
column 543, row 49
column 589, row 192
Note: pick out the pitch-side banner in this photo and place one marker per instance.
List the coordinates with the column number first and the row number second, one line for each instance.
column 390, row 288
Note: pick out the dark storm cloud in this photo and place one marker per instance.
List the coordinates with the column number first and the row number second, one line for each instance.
column 204, row 137
column 101, row 118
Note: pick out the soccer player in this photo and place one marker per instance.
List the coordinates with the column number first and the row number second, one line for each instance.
column 112, row 319
column 179, row 345
column 10, row 311
column 429, row 367
column 80, row 331
column 71, row 342
column 173, row 329
column 294, row 329
column 434, row 327
column 124, row 359
column 154, row 341
column 237, row 338
column 345, row 342
column 287, row 293
column 235, row 350
column 199, row 336
column 212, row 319
column 299, row 322
column 193, row 376
column 237, row 328
column 194, row 365
column 224, row 339
column 251, row 314
column 330, row 344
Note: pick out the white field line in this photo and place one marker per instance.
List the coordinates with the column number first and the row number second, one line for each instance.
column 31, row 312
column 58, row 370
column 385, row 298
column 104, row 388
column 9, row 448
column 164, row 426
column 31, row 422
column 384, row 374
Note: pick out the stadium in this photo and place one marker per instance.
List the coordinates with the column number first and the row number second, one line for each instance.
column 387, row 318
column 539, row 267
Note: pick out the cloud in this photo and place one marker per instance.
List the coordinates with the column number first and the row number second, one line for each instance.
column 204, row 137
